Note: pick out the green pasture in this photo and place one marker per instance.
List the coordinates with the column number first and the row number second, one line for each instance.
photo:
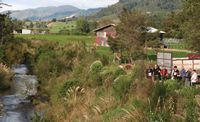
column 89, row 40
column 177, row 46
column 57, row 26
column 151, row 54
column 60, row 38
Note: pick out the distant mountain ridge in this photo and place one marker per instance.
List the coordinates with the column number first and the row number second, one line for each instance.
column 48, row 13
column 143, row 5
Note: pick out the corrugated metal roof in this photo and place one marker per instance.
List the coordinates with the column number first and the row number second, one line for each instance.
column 106, row 26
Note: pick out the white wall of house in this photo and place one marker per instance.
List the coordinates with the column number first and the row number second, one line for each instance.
column 26, row 31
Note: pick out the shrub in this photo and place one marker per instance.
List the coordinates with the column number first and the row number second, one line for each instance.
column 190, row 104
column 121, row 86
column 5, row 76
column 96, row 66
column 105, row 59
column 111, row 71
column 138, row 71
column 95, row 70
column 171, row 86
column 1, row 53
column 118, row 72
column 158, row 116
column 158, row 95
column 14, row 52
column 68, row 84
column 113, row 115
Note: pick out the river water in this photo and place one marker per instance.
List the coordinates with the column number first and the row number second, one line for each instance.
column 15, row 107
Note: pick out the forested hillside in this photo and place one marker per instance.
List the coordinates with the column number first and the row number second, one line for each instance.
column 155, row 6
column 48, row 13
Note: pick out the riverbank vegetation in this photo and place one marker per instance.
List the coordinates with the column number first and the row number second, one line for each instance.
column 83, row 83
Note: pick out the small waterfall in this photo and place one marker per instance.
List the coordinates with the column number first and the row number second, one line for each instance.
column 16, row 107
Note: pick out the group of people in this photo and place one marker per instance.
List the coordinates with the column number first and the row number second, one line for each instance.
column 189, row 77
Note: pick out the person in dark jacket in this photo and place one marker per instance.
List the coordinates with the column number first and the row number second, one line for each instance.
column 156, row 73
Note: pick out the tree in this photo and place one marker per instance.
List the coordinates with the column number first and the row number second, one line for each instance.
column 130, row 34
column 53, row 20
column 105, row 21
column 190, row 18
column 6, row 28
column 31, row 25
column 93, row 25
column 83, row 26
column 17, row 24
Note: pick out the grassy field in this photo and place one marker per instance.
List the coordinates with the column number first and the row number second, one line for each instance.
column 151, row 54
column 177, row 46
column 60, row 38
column 55, row 27
column 63, row 39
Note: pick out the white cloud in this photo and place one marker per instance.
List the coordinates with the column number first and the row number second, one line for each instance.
column 83, row 4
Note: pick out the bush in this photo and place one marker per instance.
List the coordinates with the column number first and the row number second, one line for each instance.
column 96, row 66
column 105, row 59
column 14, row 51
column 158, row 95
column 111, row 71
column 118, row 72
column 190, row 104
column 95, row 70
column 121, row 86
column 1, row 53
column 171, row 86
column 138, row 71
column 68, row 84
column 5, row 76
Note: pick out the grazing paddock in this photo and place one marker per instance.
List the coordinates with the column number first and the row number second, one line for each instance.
column 90, row 40
column 60, row 38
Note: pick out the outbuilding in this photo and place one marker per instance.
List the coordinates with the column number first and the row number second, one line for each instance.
column 103, row 33
column 26, row 31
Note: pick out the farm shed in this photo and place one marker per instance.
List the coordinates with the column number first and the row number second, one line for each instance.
column 103, row 33
column 26, row 31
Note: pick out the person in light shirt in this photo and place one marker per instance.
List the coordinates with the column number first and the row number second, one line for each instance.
column 194, row 77
column 175, row 73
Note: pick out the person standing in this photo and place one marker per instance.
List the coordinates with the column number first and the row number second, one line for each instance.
column 156, row 73
column 194, row 77
column 183, row 75
column 149, row 73
column 175, row 73
column 188, row 78
column 164, row 74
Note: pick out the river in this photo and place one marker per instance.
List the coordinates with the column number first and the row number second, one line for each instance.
column 16, row 107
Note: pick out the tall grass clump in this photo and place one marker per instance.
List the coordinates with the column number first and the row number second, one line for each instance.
column 157, row 110
column 67, row 85
column 121, row 87
column 191, row 108
column 5, row 76
column 15, row 50
column 95, row 70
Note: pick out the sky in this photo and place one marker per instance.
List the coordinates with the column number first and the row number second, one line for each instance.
column 82, row 4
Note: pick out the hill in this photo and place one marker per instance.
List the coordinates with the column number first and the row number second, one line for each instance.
column 155, row 6
column 48, row 13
